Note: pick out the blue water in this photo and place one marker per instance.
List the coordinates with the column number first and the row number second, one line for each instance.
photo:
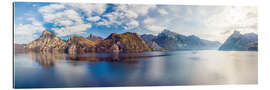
column 205, row 67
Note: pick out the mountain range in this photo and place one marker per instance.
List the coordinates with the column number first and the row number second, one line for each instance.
column 125, row 42
column 132, row 42
column 169, row 40
column 241, row 42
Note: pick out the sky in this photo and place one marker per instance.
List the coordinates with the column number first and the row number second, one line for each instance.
column 214, row 23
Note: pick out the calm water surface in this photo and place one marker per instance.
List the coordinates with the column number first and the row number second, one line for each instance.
column 53, row 70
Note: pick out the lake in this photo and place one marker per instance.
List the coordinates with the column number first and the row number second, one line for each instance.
column 204, row 67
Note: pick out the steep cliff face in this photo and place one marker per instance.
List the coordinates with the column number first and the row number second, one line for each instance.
column 78, row 44
column 47, row 42
column 174, row 41
column 169, row 40
column 148, row 38
column 126, row 42
column 242, row 42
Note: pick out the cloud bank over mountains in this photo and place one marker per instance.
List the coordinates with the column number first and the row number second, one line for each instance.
column 65, row 19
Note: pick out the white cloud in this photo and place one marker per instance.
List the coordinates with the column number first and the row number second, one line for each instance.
column 66, row 15
column 153, row 25
column 237, row 17
column 27, row 29
column 126, row 15
column 94, row 19
column 135, row 9
column 103, row 22
column 205, row 21
column 132, row 24
column 162, row 12
column 89, row 9
column 34, row 21
column 51, row 8
column 63, row 22
column 228, row 19
column 155, row 28
column 149, row 21
column 69, row 20
column 75, row 29
column 25, row 33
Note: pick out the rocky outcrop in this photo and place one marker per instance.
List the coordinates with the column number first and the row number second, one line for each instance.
column 126, row 42
column 174, row 41
column 241, row 42
column 78, row 44
column 148, row 38
column 47, row 42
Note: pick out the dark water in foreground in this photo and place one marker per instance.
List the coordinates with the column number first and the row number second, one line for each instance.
column 47, row 70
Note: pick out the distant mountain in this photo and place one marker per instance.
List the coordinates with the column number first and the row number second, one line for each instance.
column 94, row 37
column 47, row 42
column 78, row 44
column 19, row 48
column 238, row 41
column 126, row 42
column 174, row 41
column 148, row 38
column 115, row 43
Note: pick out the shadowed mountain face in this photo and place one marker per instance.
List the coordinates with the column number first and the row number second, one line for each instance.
column 126, row 42
column 78, row 44
column 241, row 42
column 148, row 38
column 94, row 37
column 47, row 42
column 174, row 41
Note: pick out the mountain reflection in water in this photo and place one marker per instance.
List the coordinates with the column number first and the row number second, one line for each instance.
column 51, row 58
column 205, row 67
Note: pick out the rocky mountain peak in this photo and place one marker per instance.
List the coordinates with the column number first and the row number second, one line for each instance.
column 47, row 34
column 194, row 37
column 125, row 42
column 47, row 42
column 149, row 39
column 238, row 41
column 94, row 37
column 166, row 31
column 112, row 36
column 174, row 41
column 79, row 44
column 236, row 33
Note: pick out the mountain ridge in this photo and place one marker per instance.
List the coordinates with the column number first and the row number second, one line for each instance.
column 47, row 42
column 126, row 42
column 241, row 42
column 174, row 41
